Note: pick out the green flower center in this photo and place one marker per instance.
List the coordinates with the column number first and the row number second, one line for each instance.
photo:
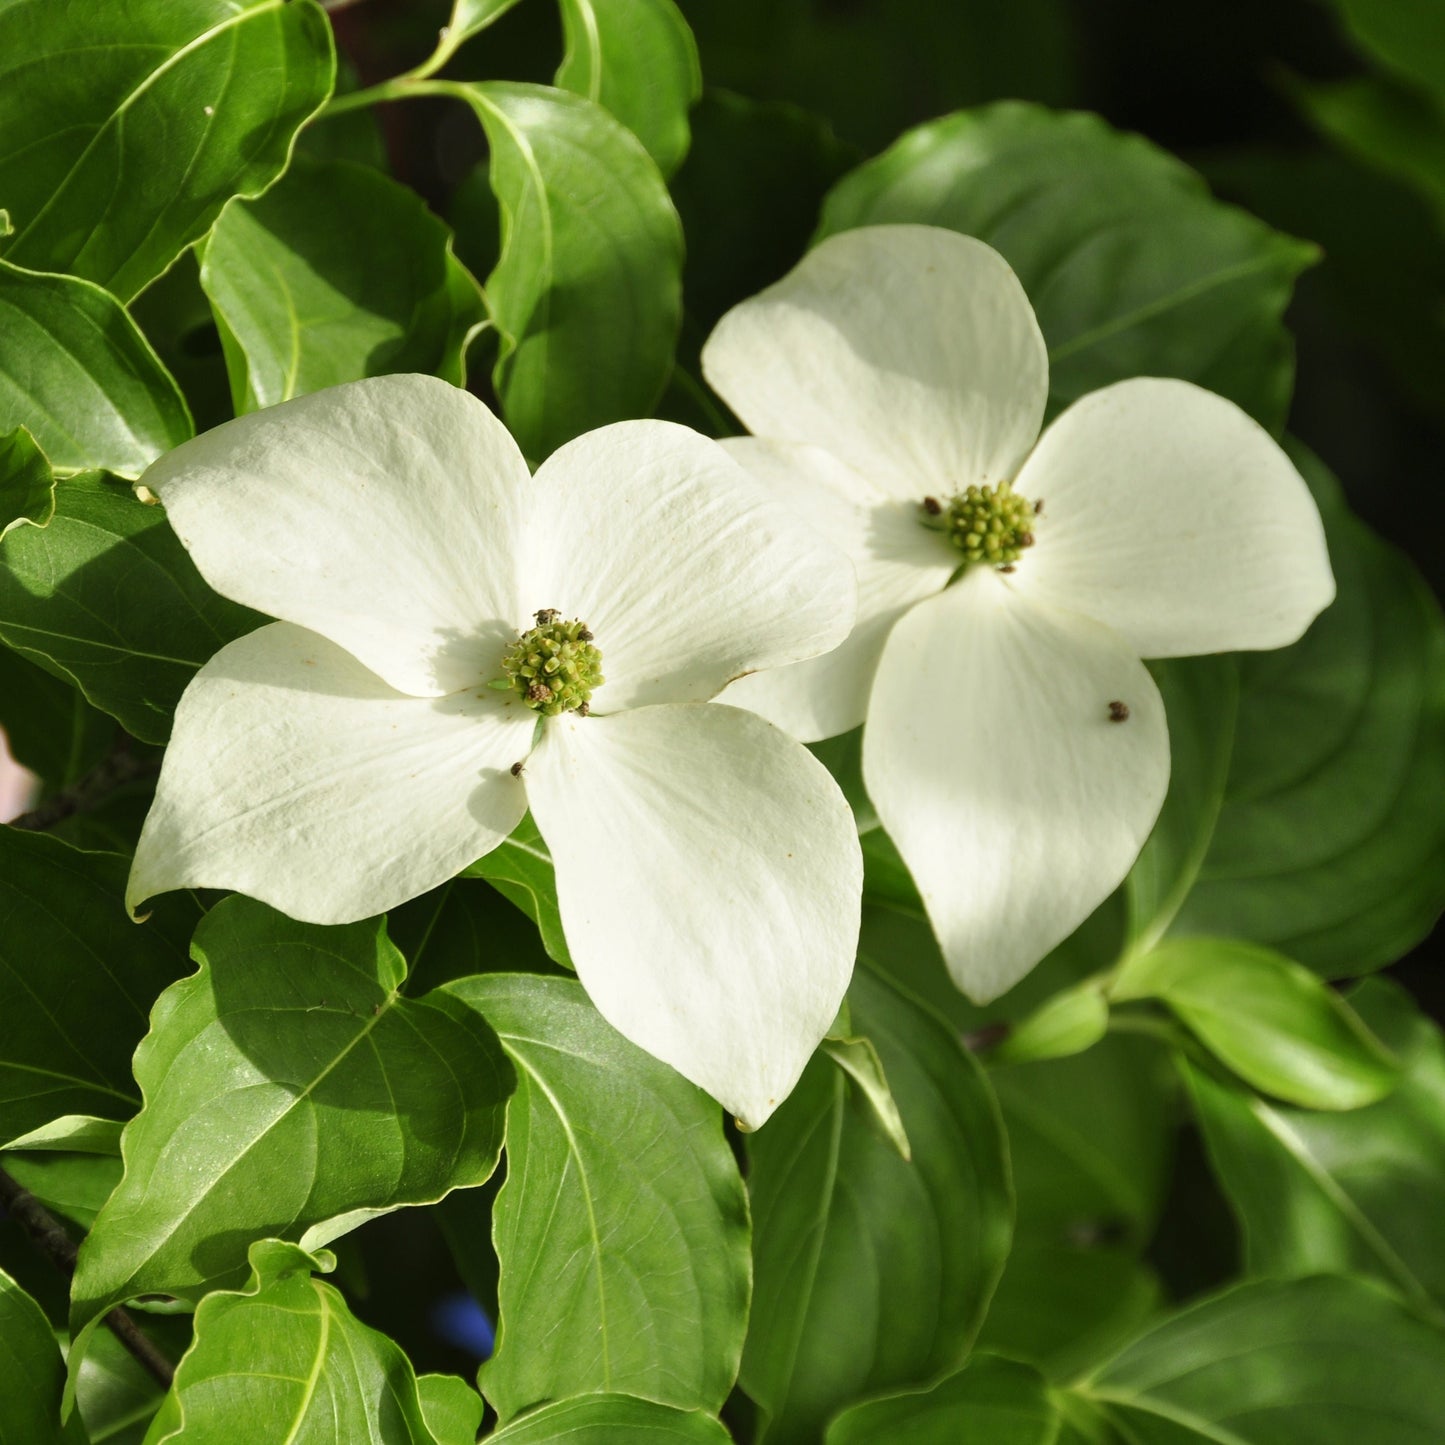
column 992, row 525
column 554, row 667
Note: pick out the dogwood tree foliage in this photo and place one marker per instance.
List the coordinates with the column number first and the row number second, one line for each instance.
column 577, row 629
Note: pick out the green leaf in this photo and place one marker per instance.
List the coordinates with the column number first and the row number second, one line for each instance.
column 115, row 1395
column 520, row 869
column 637, row 58
column 1392, row 127
column 1329, row 843
column 611, row 1420
column 749, row 194
column 1130, row 265
column 471, row 17
column 33, row 1372
column 872, row 1273
column 990, row 1400
column 74, row 1186
column 1066, row 1305
column 1089, row 1140
column 859, row 1060
column 1201, row 701
column 27, row 485
column 50, row 727
column 1362, row 1191
column 1070, row 1022
column 78, row 979
column 126, row 128
column 1403, row 34
column 336, row 273
column 287, row 1357
column 59, row 591
column 621, row 1228
column 290, row 1091
column 1270, row 1020
column 1325, row 1361
column 452, row 1409
column 78, row 375
column 587, row 294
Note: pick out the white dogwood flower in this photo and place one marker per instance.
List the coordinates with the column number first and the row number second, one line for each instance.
column 1015, row 745
column 460, row 641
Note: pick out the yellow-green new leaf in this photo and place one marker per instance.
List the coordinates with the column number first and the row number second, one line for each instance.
column 286, row 1356
column 1272, row 1021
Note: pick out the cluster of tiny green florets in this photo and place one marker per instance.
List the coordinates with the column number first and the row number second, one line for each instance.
column 987, row 524
column 554, row 667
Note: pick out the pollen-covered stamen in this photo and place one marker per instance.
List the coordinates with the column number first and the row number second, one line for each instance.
column 554, row 667
column 988, row 524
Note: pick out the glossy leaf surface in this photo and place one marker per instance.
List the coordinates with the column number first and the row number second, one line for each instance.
column 621, row 1228
column 125, row 128
column 76, row 372
column 1130, row 265
column 587, row 291
column 336, row 273
column 290, row 1091
column 871, row 1272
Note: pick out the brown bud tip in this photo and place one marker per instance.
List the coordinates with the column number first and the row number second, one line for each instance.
column 544, row 615
column 517, row 769
column 932, row 506
column 1118, row 711
column 584, row 709
column 1039, row 507
column 584, row 635
column 538, row 692
column 1026, row 539
column 1008, row 567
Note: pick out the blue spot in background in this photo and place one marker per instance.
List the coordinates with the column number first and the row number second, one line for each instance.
column 462, row 1322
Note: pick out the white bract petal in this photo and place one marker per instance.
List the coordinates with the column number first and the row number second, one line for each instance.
column 384, row 514
column 996, row 765
column 297, row 776
column 684, row 569
column 898, row 563
column 709, row 877
column 1175, row 519
column 910, row 352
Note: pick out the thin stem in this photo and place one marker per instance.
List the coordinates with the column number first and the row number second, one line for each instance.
column 55, row 1243
column 119, row 767
column 398, row 88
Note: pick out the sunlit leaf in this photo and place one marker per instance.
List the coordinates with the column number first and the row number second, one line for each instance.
column 638, row 59
column 290, row 1091
column 125, row 128
column 587, row 291
column 336, row 273
column 621, row 1228
column 79, row 376
column 286, row 1356
column 1269, row 1019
